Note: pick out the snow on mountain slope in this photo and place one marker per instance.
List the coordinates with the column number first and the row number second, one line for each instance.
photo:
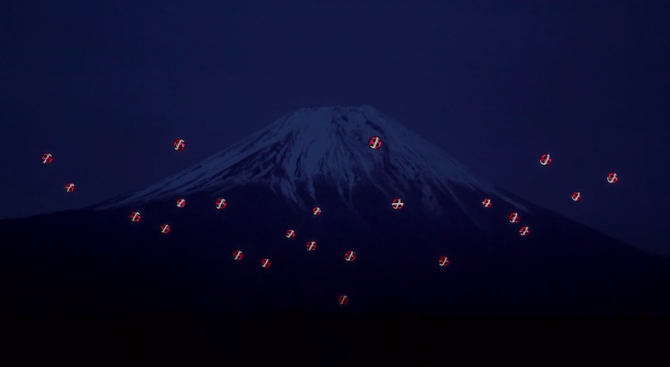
column 329, row 143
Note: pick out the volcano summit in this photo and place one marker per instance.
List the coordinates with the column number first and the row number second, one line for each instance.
column 329, row 145
column 239, row 258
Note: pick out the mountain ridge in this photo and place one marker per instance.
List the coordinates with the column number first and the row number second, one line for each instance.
column 327, row 142
column 100, row 261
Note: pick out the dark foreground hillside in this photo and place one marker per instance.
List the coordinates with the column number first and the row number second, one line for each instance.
column 327, row 339
column 101, row 263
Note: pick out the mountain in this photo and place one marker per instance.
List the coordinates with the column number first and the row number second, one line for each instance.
column 97, row 260
column 330, row 144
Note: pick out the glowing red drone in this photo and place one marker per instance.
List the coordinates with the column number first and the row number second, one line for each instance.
column 397, row 204
column 375, row 143
column 612, row 178
column 545, row 160
column 514, row 217
column 576, row 196
column 524, row 231
column 47, row 158
column 343, row 299
column 179, row 145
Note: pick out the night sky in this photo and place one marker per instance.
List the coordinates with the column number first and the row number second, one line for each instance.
column 106, row 86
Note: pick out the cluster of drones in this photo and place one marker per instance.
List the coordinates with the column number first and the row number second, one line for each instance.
column 612, row 177
column 374, row 143
column 546, row 160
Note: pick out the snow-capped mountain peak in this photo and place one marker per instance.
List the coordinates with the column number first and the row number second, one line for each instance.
column 329, row 143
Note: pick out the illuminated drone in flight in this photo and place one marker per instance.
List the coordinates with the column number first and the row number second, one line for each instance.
column 181, row 203
column 221, row 203
column 69, row 187
column 576, row 196
column 375, row 143
column 290, row 233
column 311, row 246
column 350, row 256
column 179, row 145
column 443, row 261
column 47, row 158
column 524, row 231
column 486, row 203
column 266, row 263
column 238, row 255
column 397, row 204
column 514, row 217
column 316, row 211
column 612, row 178
column 343, row 299
column 545, row 159
column 165, row 228
column 135, row 217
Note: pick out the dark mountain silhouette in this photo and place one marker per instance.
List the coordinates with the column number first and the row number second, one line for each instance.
column 98, row 261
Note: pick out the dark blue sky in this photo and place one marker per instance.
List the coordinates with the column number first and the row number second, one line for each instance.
column 106, row 86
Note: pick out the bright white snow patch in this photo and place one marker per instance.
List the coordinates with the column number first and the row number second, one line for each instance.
column 331, row 143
